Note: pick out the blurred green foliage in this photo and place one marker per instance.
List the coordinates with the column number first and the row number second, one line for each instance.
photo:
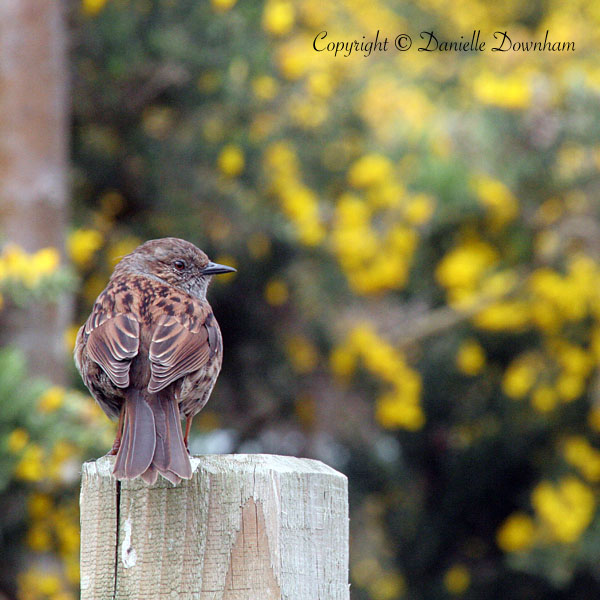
column 46, row 431
column 417, row 300
column 17, row 417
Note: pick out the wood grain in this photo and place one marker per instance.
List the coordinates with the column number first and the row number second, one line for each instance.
column 245, row 527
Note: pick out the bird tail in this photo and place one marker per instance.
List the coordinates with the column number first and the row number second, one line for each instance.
column 152, row 441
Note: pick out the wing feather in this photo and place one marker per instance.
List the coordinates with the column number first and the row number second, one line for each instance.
column 178, row 348
column 114, row 339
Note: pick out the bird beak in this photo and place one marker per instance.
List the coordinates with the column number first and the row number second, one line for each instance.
column 215, row 268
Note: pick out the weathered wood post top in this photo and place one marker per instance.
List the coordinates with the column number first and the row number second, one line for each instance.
column 245, row 527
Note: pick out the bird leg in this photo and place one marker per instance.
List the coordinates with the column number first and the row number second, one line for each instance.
column 117, row 443
column 188, row 425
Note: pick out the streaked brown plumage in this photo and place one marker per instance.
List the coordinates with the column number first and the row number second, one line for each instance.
column 150, row 353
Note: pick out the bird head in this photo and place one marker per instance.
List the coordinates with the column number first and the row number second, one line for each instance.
column 174, row 262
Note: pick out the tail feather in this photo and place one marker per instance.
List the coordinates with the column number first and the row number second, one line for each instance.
column 162, row 457
column 138, row 440
column 150, row 475
column 152, row 441
column 178, row 454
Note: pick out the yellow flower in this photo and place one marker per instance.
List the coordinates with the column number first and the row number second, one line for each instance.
column 72, row 569
column 507, row 315
column 46, row 261
column 544, row 398
column 48, row 584
column 321, row 84
column 311, row 233
column 276, row 292
column 309, row 113
column 419, row 209
column 17, row 440
column 303, row 355
column 511, row 91
column 278, row 17
column 570, row 386
column 570, row 160
column 82, row 244
column 92, row 7
column 39, row 505
column 15, row 262
column 579, row 453
column 222, row 5
column 470, row 358
column 516, row 533
column 294, row 58
column 264, row 87
column 521, row 375
column 300, row 204
column 231, row 160
column 566, row 509
column 29, row 268
column 39, row 538
column 31, row 466
column 387, row 586
column 502, row 206
column 369, row 170
column 70, row 337
column 69, row 538
column 351, row 212
column 399, row 407
column 574, row 359
column 464, row 265
column 391, row 194
column 342, row 361
column 373, row 261
column 393, row 411
column 52, row 399
column 280, row 157
column 498, row 284
column 457, row 579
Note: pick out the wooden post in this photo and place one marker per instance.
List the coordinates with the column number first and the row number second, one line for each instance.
column 245, row 527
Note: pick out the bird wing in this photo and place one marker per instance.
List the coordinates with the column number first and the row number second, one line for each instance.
column 180, row 346
column 113, row 340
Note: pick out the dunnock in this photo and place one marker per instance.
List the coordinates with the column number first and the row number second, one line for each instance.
column 150, row 353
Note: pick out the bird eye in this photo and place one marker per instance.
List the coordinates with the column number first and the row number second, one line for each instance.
column 179, row 265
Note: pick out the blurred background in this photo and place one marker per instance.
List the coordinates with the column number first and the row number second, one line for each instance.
column 417, row 238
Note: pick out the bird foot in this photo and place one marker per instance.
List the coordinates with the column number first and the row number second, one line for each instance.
column 115, row 448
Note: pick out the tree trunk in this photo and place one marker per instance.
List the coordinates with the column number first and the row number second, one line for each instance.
column 33, row 163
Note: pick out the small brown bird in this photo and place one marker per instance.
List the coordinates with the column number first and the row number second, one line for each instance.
column 150, row 354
